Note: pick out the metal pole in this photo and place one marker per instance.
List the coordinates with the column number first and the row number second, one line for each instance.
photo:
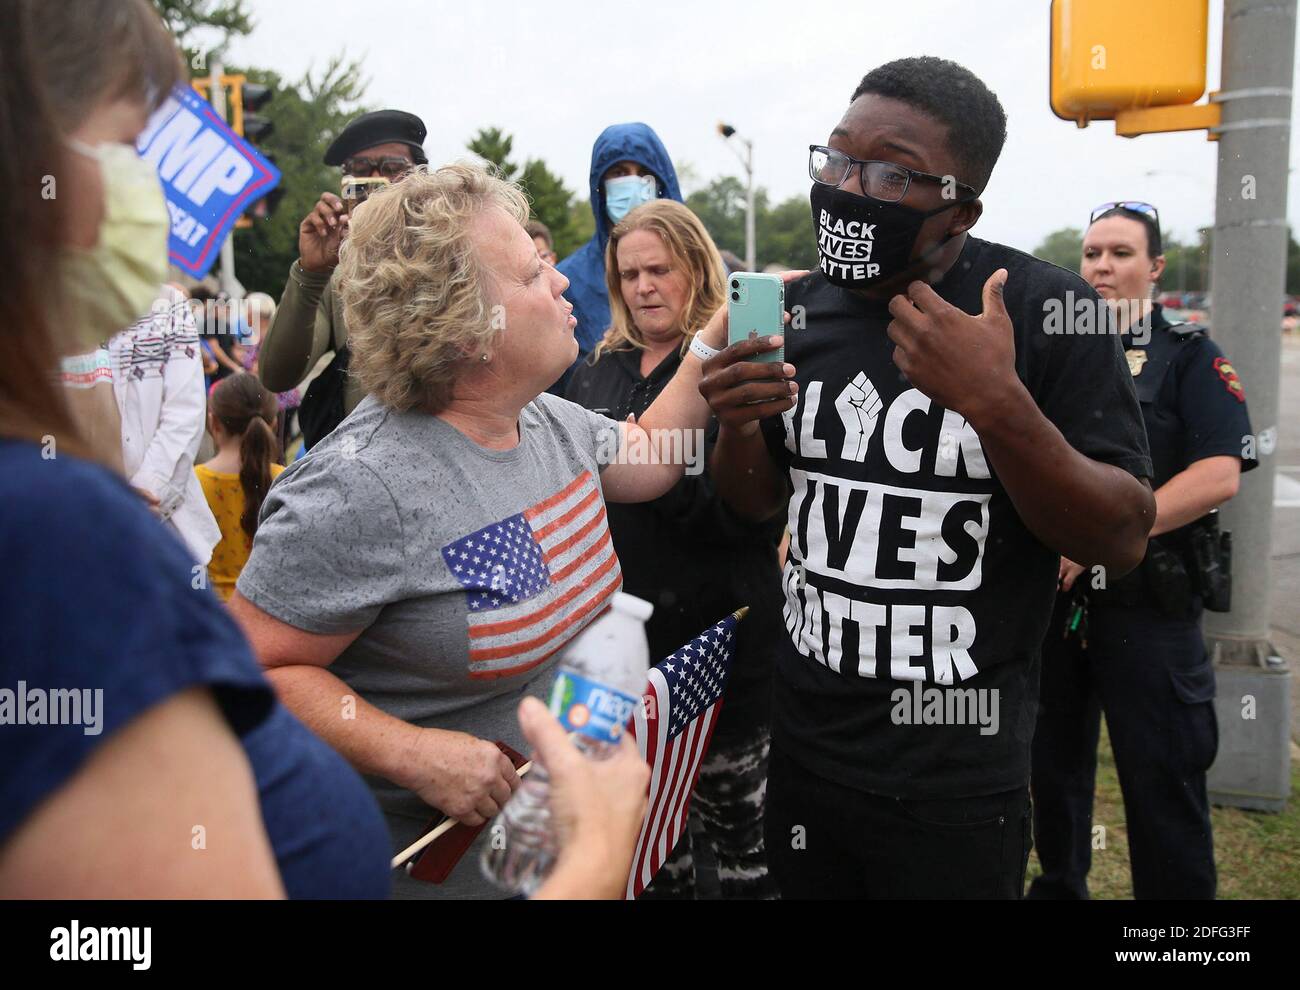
column 750, row 247
column 1246, row 281
column 226, row 275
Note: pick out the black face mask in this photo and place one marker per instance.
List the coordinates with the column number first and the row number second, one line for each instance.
column 864, row 242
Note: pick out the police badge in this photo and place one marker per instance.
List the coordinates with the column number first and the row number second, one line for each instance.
column 1136, row 359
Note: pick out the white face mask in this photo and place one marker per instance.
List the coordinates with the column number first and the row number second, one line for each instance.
column 104, row 289
column 626, row 193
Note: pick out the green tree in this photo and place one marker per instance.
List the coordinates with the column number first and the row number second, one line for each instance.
column 492, row 145
column 229, row 18
column 1188, row 267
column 1184, row 265
column 550, row 200
column 785, row 235
column 1206, row 235
column 582, row 226
column 184, row 16
column 308, row 115
column 1062, row 247
column 720, row 205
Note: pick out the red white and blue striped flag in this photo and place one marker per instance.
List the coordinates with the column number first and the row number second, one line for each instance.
column 672, row 729
column 534, row 580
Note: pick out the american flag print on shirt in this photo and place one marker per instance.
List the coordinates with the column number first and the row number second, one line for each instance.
column 672, row 728
column 534, row 580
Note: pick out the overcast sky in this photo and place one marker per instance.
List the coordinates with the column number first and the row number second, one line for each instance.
column 554, row 75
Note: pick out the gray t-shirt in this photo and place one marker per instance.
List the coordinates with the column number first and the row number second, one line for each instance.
column 468, row 569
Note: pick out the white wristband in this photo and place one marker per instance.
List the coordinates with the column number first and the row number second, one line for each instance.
column 702, row 350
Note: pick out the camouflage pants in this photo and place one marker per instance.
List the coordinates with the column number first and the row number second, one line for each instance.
column 728, row 803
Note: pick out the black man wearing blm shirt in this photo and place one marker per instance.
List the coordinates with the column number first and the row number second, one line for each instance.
column 938, row 445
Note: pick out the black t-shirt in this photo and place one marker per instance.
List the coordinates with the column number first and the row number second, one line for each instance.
column 911, row 577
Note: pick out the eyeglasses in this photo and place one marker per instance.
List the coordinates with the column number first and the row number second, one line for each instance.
column 879, row 180
column 1133, row 206
column 389, row 168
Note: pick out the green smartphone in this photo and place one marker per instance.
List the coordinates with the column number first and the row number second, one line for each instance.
column 756, row 303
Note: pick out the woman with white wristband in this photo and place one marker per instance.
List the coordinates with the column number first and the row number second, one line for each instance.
column 687, row 552
column 457, row 536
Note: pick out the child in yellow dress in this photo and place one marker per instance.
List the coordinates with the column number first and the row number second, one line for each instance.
column 241, row 419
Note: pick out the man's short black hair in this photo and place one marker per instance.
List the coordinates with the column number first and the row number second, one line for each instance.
column 955, row 97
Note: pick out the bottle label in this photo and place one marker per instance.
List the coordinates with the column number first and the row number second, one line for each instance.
column 595, row 710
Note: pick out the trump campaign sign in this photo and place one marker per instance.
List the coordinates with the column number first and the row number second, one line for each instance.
column 209, row 173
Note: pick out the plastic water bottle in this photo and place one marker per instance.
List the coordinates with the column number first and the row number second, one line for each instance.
column 601, row 677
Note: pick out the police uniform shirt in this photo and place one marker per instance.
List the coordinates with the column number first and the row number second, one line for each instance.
column 1193, row 403
column 911, row 577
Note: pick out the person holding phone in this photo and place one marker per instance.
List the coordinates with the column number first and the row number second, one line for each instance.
column 686, row 552
column 947, row 446
column 308, row 325
column 454, row 526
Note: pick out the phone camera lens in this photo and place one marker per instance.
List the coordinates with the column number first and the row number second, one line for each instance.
column 735, row 297
column 735, row 283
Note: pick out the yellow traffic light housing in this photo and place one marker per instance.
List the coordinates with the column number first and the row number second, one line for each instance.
column 1141, row 64
column 234, row 85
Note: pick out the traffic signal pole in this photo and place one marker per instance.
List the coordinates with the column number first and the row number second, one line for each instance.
column 226, row 271
column 1247, row 284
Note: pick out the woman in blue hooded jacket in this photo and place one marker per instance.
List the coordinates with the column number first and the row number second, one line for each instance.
column 622, row 159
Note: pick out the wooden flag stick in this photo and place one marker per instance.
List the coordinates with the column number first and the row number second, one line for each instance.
column 443, row 829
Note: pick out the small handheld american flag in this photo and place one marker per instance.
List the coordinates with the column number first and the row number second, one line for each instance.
column 672, row 729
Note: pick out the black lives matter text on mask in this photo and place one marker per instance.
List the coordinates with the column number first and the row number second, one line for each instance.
column 869, row 535
column 845, row 247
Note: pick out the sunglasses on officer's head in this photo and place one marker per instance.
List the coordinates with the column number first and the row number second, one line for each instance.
column 1133, row 206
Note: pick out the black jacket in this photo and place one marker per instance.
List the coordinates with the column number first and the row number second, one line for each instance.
column 688, row 554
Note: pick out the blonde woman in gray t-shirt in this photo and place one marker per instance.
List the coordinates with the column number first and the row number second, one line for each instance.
column 419, row 572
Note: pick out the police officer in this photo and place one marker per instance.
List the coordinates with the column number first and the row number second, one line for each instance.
column 1133, row 648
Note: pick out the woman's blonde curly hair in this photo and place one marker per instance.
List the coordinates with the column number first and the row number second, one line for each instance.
column 692, row 251
column 412, row 287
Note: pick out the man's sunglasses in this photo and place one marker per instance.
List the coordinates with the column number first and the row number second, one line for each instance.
column 879, row 180
column 1133, row 206
column 389, row 168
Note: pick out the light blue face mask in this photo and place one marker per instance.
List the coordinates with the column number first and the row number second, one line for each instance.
column 626, row 193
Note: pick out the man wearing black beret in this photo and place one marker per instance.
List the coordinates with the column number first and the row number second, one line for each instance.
column 309, row 321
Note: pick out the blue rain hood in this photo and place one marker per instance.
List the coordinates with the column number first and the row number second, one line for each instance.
column 585, row 268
